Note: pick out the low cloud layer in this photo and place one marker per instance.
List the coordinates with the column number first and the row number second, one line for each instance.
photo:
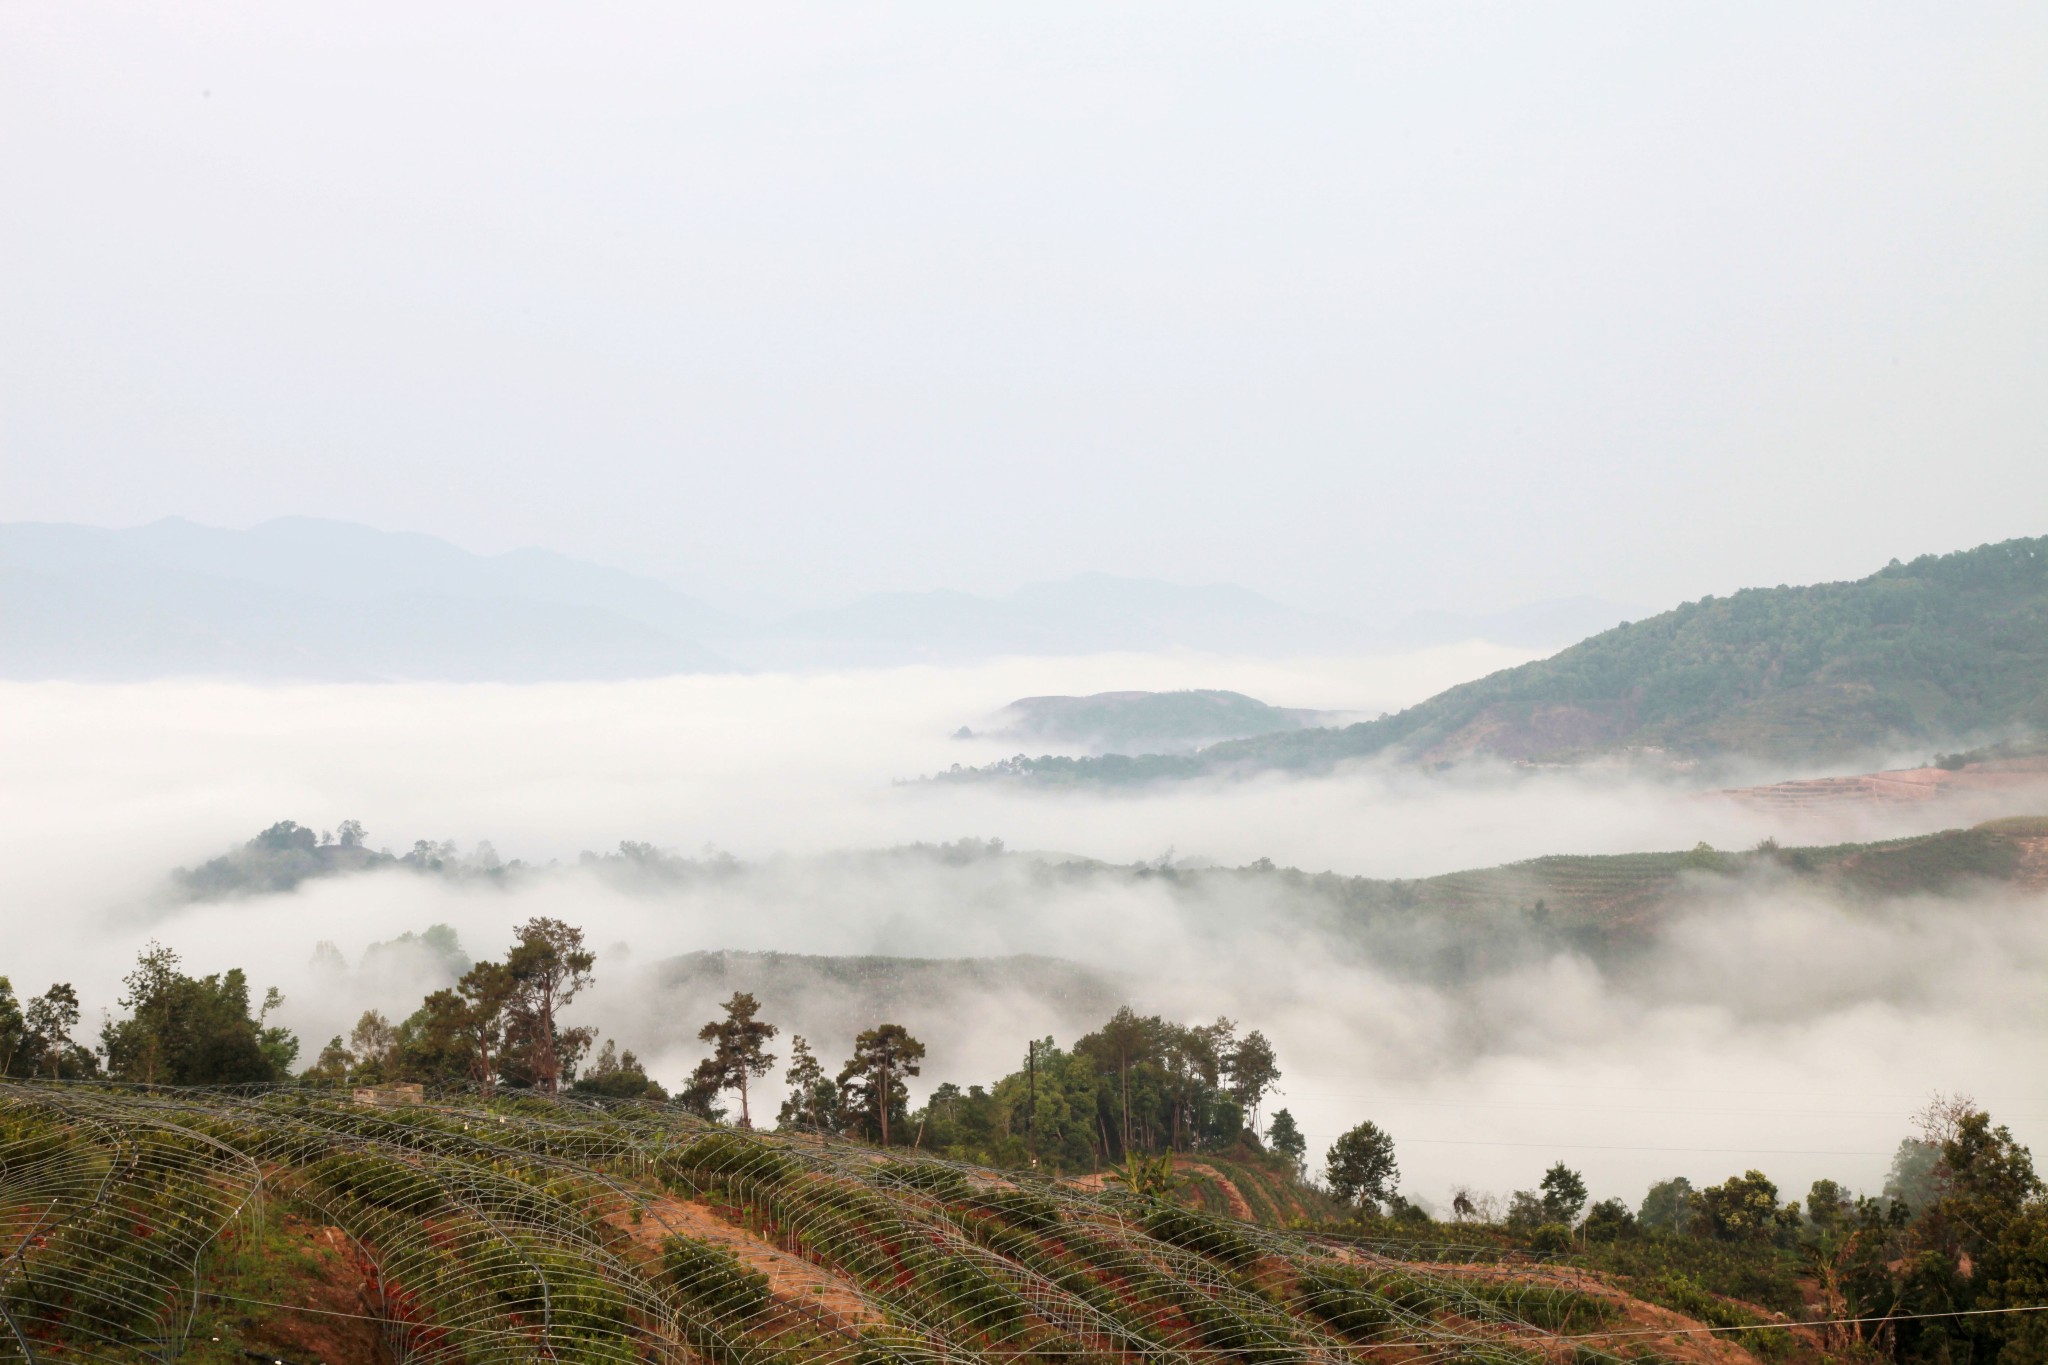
column 1766, row 1025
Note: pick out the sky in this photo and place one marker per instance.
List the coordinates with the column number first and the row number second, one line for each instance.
column 1372, row 308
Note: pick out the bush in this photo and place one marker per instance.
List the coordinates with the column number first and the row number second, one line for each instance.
column 1216, row 1238
column 713, row 1278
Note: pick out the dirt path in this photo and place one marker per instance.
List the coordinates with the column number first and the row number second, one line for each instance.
column 793, row 1281
column 1233, row 1197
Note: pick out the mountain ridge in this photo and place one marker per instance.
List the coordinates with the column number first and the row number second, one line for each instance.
column 314, row 599
column 1947, row 647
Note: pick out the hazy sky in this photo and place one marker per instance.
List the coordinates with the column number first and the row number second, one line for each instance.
column 1367, row 306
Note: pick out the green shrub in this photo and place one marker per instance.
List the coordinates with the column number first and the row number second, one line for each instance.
column 713, row 1278
column 1218, row 1239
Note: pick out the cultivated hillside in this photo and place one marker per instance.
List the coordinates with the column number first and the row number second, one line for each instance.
column 303, row 1225
column 1941, row 650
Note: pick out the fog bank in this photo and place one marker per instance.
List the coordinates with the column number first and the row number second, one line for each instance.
column 1765, row 1025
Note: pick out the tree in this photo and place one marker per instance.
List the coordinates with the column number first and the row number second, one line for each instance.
column 739, row 1048
column 1254, row 1070
column 50, row 1017
column 185, row 1030
column 1147, row 1177
column 1287, row 1140
column 373, row 1044
column 549, row 966
column 1745, row 1208
column 136, row 1048
column 13, row 1029
column 871, row 1082
column 434, row 1044
column 1609, row 1220
column 1564, row 1194
column 1827, row 1206
column 485, row 991
column 1668, row 1207
column 618, row 1076
column 1127, row 1041
column 813, row 1100
column 1360, row 1166
column 331, row 1067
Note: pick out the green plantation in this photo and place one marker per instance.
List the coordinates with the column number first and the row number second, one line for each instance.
column 295, row 1224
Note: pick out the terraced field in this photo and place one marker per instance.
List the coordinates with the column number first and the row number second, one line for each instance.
column 297, row 1226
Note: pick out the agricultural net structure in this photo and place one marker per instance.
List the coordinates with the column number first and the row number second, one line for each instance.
column 295, row 1225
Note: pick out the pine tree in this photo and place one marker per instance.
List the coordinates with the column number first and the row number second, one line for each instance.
column 872, row 1078
column 739, row 1049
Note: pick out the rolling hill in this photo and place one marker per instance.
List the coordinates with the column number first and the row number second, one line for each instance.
column 1156, row 721
column 1943, row 650
column 312, row 1225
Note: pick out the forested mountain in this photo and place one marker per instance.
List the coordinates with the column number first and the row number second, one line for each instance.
column 1943, row 649
column 1157, row 722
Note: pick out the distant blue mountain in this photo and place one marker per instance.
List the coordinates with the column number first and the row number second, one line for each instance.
column 304, row 598
column 307, row 599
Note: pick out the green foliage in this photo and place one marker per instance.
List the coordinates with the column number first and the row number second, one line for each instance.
column 871, row 1084
column 1668, row 1206
column 1221, row 1240
column 1564, row 1194
column 713, row 1278
column 185, row 1030
column 1745, row 1208
column 1609, row 1219
column 1285, row 1138
column 1948, row 645
column 1360, row 1166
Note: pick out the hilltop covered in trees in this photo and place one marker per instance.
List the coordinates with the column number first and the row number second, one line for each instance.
column 1945, row 648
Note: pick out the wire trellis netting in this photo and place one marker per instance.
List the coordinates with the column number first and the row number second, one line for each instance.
column 135, row 1222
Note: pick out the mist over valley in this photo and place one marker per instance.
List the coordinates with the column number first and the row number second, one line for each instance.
column 1023, row 685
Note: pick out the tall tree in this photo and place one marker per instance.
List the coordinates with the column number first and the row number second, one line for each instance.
column 813, row 1101
column 1254, row 1070
column 872, row 1079
column 1564, row 1194
column 151, row 999
column 50, row 1017
column 549, row 967
column 486, row 992
column 739, row 1045
column 1129, row 1040
column 1286, row 1139
column 373, row 1042
column 1360, row 1166
column 13, row 1028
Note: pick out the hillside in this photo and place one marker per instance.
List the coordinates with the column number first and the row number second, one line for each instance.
column 1942, row 650
column 1456, row 925
column 299, row 1225
column 1160, row 722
